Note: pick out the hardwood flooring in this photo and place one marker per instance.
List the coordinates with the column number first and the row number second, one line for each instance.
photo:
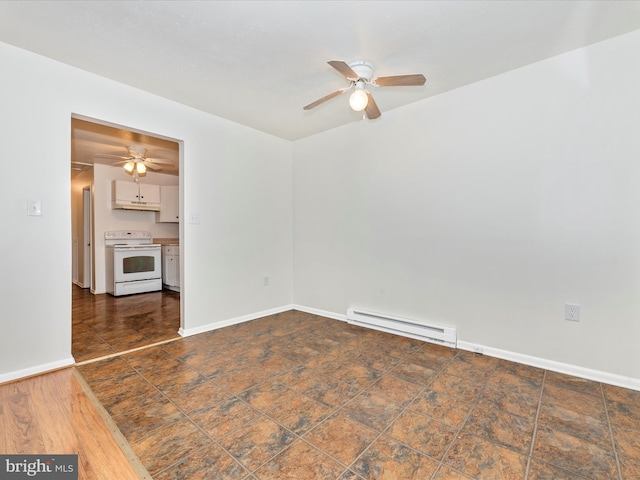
column 57, row 413
column 104, row 325
column 52, row 414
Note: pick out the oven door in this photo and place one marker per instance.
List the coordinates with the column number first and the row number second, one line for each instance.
column 140, row 262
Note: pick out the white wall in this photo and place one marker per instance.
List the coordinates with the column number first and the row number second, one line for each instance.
column 488, row 208
column 238, row 181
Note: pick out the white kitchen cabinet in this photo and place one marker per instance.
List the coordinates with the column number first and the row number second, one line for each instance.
column 171, row 267
column 169, row 204
column 134, row 196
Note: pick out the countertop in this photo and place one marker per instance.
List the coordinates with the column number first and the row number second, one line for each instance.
column 167, row 241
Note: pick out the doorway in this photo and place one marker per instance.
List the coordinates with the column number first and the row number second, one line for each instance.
column 102, row 324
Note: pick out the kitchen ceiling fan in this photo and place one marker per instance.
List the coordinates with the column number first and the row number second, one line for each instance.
column 136, row 163
column 360, row 75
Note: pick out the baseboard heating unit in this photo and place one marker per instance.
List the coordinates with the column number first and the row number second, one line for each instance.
column 402, row 326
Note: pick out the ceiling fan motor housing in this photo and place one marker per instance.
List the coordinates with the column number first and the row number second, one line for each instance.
column 137, row 151
column 363, row 69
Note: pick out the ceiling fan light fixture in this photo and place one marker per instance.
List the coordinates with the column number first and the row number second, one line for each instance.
column 141, row 168
column 359, row 74
column 358, row 100
column 129, row 166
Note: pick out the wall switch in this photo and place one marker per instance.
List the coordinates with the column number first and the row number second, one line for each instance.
column 265, row 281
column 572, row 312
column 194, row 219
column 34, row 208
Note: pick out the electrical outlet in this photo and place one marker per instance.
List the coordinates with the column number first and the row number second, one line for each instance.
column 477, row 349
column 34, row 208
column 572, row 312
column 265, row 281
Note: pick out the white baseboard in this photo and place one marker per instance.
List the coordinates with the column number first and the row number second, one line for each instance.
column 36, row 370
column 582, row 372
column 322, row 313
column 569, row 369
column 232, row 321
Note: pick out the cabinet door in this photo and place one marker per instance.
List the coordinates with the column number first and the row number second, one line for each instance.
column 176, row 266
column 171, row 265
column 126, row 192
column 169, row 204
column 149, row 193
column 167, row 269
column 171, row 270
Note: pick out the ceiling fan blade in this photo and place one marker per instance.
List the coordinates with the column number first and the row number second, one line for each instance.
column 107, row 155
column 160, row 164
column 324, row 99
column 400, row 80
column 160, row 161
column 371, row 109
column 344, row 69
column 151, row 166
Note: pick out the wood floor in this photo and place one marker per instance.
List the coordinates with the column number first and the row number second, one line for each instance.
column 57, row 413
column 52, row 414
column 104, row 325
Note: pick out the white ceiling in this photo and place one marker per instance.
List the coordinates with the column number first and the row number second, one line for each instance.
column 258, row 63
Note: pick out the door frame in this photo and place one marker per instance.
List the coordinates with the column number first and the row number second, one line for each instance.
column 87, row 237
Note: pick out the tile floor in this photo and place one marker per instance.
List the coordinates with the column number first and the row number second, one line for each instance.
column 297, row 396
column 103, row 324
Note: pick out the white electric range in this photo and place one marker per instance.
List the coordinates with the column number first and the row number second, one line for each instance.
column 133, row 262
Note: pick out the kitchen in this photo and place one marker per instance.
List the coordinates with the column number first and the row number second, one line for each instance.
column 125, row 238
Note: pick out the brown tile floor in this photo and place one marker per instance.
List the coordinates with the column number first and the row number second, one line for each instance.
column 103, row 324
column 297, row 396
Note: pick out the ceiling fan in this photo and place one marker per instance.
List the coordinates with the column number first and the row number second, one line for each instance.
column 136, row 163
column 360, row 75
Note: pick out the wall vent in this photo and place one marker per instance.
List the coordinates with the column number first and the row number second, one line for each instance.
column 402, row 326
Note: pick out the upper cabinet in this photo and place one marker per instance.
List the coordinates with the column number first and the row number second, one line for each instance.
column 135, row 196
column 169, row 204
